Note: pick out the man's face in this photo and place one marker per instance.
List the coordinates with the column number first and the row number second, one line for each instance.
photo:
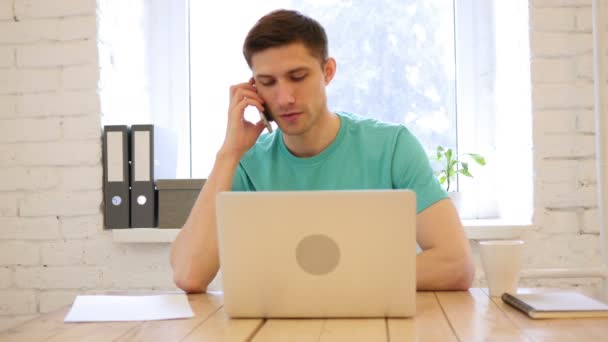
column 292, row 83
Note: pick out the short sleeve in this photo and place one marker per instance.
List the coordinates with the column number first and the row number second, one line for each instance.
column 241, row 181
column 412, row 170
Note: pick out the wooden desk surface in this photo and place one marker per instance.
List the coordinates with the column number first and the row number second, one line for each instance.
column 441, row 316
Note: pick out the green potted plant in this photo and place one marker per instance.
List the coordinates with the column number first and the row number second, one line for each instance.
column 450, row 167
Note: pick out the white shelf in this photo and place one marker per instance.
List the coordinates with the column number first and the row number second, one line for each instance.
column 144, row 235
column 494, row 229
column 475, row 230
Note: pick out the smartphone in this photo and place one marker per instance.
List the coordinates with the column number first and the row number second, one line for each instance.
column 266, row 119
column 264, row 116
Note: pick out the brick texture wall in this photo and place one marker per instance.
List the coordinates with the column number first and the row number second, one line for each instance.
column 565, row 229
column 566, row 216
column 52, row 245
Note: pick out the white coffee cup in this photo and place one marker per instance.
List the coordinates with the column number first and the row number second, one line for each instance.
column 501, row 261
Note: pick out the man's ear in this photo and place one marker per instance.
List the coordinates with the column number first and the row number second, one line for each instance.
column 329, row 69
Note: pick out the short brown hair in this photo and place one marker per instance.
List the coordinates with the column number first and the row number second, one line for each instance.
column 282, row 27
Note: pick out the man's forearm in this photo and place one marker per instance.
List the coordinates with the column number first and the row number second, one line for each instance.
column 194, row 253
column 437, row 271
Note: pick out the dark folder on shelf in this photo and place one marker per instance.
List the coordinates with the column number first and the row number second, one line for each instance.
column 116, row 176
column 143, row 199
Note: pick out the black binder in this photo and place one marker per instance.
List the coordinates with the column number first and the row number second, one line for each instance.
column 143, row 195
column 116, row 176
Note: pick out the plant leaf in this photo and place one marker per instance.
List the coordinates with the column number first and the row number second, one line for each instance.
column 451, row 173
column 478, row 158
column 439, row 150
column 466, row 172
column 452, row 164
column 448, row 154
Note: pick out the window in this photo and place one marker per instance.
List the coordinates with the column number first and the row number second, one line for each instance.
column 455, row 72
column 494, row 107
column 143, row 56
column 375, row 77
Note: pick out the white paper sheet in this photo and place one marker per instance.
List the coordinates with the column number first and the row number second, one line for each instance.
column 129, row 308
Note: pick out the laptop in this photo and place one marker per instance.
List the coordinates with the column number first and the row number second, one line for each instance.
column 318, row 254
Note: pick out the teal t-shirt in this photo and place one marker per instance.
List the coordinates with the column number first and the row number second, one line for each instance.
column 366, row 154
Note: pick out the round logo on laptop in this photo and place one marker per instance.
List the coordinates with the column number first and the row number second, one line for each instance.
column 318, row 254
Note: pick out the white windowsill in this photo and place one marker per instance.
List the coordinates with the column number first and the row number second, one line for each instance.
column 475, row 230
column 494, row 229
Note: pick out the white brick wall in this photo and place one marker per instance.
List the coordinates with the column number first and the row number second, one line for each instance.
column 558, row 44
column 14, row 81
column 559, row 3
column 25, row 9
column 19, row 253
column 570, row 95
column 583, row 19
column 64, row 203
column 81, row 227
column 7, row 57
column 27, row 178
column 8, row 105
column 81, row 178
column 584, row 67
column 8, row 202
column 58, row 153
column 80, row 77
column 58, row 277
column 17, row 302
column 52, row 245
column 566, row 215
column 6, row 277
column 590, row 223
column 61, row 103
column 31, row 31
column 68, row 53
column 24, row 130
column 552, row 19
column 81, row 128
column 553, row 70
column 6, row 9
column 29, row 228
column 62, row 253
column 51, row 300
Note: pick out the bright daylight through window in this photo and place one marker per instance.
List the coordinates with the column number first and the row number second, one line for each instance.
column 454, row 72
column 395, row 63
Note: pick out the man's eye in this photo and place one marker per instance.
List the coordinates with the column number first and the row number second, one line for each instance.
column 267, row 83
column 298, row 77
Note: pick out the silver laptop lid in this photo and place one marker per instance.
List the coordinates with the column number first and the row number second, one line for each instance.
column 318, row 253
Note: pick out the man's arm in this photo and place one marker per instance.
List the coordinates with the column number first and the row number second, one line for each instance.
column 445, row 262
column 194, row 253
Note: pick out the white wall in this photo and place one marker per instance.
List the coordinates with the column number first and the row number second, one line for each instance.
column 566, row 219
column 52, row 245
column 566, row 214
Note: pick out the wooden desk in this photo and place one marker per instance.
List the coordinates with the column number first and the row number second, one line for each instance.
column 441, row 316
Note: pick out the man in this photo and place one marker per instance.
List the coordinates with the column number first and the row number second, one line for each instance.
column 315, row 149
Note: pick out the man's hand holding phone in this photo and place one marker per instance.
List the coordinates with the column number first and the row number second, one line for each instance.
column 241, row 134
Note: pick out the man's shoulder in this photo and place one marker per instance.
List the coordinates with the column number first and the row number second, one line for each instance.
column 371, row 128
column 263, row 147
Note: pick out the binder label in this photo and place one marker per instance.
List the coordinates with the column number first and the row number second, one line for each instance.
column 115, row 157
column 142, row 153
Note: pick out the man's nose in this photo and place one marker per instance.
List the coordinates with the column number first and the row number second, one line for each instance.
column 285, row 95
